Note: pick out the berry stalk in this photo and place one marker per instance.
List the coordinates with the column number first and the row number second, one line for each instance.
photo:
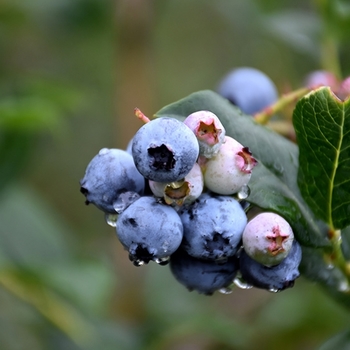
column 265, row 115
column 336, row 257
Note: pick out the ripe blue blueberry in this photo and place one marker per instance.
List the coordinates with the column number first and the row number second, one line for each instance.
column 274, row 278
column 165, row 150
column 204, row 276
column 249, row 89
column 268, row 238
column 109, row 175
column 149, row 230
column 213, row 227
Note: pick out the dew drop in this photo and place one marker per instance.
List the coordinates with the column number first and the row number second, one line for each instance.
column 162, row 261
column 138, row 262
column 111, row 219
column 240, row 283
column 244, row 192
column 124, row 200
column 273, row 290
column 225, row 291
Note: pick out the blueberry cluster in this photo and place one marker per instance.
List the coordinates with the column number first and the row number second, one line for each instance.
column 178, row 196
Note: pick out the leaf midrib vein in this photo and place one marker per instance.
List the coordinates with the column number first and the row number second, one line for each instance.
column 336, row 163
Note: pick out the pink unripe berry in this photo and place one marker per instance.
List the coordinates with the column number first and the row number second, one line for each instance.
column 319, row 78
column 209, row 131
column 268, row 239
column 230, row 169
column 344, row 90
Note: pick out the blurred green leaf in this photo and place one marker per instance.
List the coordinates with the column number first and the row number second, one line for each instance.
column 336, row 18
column 273, row 184
column 30, row 231
column 15, row 148
column 86, row 283
column 62, row 94
column 29, row 114
column 55, row 309
column 340, row 342
column 41, row 235
column 322, row 125
column 39, row 266
column 297, row 28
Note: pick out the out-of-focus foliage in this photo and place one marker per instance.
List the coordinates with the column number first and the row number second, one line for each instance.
column 71, row 73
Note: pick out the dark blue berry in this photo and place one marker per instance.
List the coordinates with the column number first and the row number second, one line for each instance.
column 204, row 276
column 149, row 230
column 249, row 89
column 110, row 174
column 213, row 227
column 274, row 278
column 165, row 150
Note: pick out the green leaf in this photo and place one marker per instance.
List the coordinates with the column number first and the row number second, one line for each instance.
column 36, row 233
column 15, row 150
column 273, row 184
column 340, row 342
column 29, row 114
column 322, row 125
column 299, row 29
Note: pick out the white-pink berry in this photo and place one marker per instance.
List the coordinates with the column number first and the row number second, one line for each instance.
column 209, row 131
column 268, row 238
column 230, row 170
column 182, row 192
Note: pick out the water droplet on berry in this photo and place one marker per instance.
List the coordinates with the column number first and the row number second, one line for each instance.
column 138, row 262
column 273, row 290
column 225, row 290
column 111, row 219
column 240, row 283
column 244, row 192
column 162, row 261
column 124, row 200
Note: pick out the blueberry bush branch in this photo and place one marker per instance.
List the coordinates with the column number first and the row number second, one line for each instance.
column 265, row 115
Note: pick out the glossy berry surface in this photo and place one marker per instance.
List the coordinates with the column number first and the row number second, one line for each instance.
column 149, row 230
column 268, row 238
column 213, row 227
column 165, row 150
column 205, row 277
column 275, row 278
column 230, row 169
column 249, row 89
column 110, row 173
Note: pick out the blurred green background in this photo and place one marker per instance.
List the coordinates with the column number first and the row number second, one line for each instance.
column 71, row 73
